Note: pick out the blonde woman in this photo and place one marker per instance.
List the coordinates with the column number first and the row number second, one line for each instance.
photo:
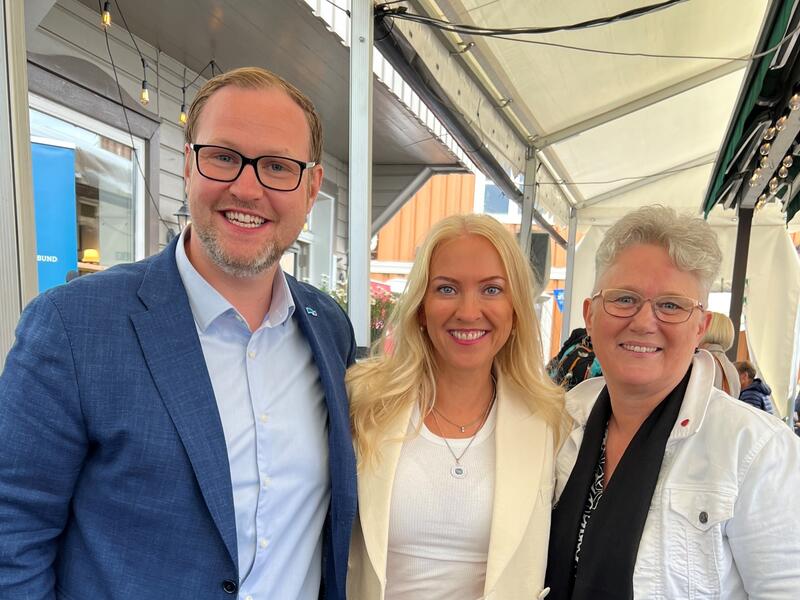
column 454, row 429
column 718, row 339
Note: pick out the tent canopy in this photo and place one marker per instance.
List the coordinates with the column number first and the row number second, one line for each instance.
column 628, row 110
column 623, row 113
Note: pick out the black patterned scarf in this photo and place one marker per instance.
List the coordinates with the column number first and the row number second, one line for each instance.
column 611, row 538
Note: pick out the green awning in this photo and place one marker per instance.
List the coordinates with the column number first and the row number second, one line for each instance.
column 762, row 83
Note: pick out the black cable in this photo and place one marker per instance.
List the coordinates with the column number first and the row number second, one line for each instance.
column 745, row 58
column 199, row 73
column 500, row 35
column 485, row 31
column 124, row 22
column 130, row 132
column 633, row 178
column 344, row 10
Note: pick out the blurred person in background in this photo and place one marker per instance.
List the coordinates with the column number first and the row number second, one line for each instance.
column 754, row 391
column 717, row 340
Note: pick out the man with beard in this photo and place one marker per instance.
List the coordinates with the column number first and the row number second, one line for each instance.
column 178, row 427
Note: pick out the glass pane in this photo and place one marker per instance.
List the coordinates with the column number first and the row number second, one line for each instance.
column 105, row 191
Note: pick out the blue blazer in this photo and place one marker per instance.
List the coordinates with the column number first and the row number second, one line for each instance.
column 114, row 476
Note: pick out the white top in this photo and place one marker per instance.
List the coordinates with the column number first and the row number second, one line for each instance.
column 272, row 409
column 439, row 525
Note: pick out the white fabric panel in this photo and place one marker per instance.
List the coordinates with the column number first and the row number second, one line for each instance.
column 772, row 305
column 683, row 191
column 660, row 137
column 561, row 86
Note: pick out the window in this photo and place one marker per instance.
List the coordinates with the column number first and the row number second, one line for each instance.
column 495, row 202
column 108, row 184
column 316, row 259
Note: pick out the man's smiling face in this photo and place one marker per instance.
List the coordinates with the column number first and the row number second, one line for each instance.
column 241, row 227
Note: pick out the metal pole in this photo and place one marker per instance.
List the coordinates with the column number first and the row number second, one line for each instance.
column 360, row 171
column 528, row 202
column 739, row 275
column 401, row 56
column 569, row 275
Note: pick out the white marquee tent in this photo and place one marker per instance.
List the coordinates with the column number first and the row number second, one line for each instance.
column 602, row 119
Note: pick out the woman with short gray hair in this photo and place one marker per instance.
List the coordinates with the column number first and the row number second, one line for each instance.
column 667, row 487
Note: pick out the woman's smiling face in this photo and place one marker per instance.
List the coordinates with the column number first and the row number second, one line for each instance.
column 467, row 309
column 640, row 354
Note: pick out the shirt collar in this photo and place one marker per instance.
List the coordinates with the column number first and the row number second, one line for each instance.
column 208, row 304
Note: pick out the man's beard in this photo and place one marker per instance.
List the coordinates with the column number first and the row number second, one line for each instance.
column 266, row 258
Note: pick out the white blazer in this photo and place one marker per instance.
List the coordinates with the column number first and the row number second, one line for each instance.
column 524, row 479
column 723, row 518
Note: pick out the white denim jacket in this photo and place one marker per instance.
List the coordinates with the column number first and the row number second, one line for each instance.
column 723, row 521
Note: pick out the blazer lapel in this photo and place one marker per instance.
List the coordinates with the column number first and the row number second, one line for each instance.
column 311, row 318
column 168, row 338
column 375, row 494
column 521, row 441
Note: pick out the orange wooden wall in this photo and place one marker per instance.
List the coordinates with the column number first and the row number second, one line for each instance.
column 441, row 196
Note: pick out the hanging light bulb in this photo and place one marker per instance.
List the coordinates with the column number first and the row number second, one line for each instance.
column 770, row 132
column 787, row 161
column 755, row 177
column 783, row 172
column 183, row 116
column 764, row 162
column 762, row 200
column 780, row 124
column 773, row 184
column 105, row 16
column 765, row 148
column 144, row 95
column 794, row 101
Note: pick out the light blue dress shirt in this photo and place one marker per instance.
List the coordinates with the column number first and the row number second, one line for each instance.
column 274, row 418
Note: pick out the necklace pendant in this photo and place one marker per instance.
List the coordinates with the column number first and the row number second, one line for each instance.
column 458, row 471
column 461, row 428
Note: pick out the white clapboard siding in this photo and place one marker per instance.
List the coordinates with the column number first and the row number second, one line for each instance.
column 72, row 29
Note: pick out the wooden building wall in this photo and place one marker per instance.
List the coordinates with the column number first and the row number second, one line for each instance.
column 441, row 196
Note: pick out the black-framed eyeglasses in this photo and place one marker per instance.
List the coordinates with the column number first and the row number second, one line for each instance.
column 668, row 309
column 279, row 173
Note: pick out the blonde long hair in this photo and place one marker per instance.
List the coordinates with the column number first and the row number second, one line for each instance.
column 384, row 385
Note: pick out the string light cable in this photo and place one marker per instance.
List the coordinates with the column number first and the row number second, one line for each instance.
column 341, row 8
column 401, row 13
column 149, row 195
column 631, row 178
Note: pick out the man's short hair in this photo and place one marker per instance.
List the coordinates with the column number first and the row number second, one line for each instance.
column 746, row 367
column 255, row 78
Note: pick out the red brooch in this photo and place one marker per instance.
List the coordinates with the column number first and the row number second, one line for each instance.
column 684, row 423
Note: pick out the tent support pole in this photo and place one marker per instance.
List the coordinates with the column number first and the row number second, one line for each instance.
column 569, row 275
column 739, row 275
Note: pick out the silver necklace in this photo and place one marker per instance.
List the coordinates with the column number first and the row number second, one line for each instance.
column 462, row 428
column 458, row 470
